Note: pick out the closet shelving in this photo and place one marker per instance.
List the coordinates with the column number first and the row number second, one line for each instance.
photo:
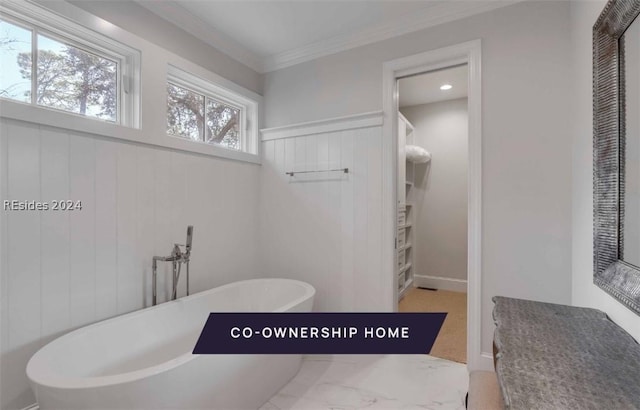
column 404, row 245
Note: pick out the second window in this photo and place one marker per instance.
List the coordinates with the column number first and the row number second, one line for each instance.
column 203, row 118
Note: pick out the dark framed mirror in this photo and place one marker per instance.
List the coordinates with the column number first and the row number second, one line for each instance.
column 616, row 151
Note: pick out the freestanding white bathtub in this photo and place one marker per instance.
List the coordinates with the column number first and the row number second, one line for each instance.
column 143, row 360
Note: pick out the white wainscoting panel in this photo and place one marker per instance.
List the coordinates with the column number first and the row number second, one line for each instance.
column 82, row 269
column 106, row 229
column 64, row 269
column 324, row 227
column 56, row 251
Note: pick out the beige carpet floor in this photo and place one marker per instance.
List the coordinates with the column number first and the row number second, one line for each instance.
column 451, row 343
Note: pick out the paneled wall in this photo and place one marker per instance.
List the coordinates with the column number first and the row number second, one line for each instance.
column 325, row 228
column 62, row 270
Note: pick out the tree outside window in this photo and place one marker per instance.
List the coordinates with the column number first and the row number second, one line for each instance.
column 201, row 118
column 67, row 77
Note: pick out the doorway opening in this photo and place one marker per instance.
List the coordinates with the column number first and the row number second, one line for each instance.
column 433, row 136
column 433, row 103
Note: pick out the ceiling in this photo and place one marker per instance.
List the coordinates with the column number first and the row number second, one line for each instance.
column 271, row 34
column 425, row 88
column 270, row 28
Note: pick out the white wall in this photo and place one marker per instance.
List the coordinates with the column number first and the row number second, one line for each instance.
column 584, row 292
column 62, row 270
column 526, row 180
column 325, row 228
column 439, row 193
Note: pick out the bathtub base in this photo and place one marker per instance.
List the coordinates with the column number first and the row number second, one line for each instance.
column 201, row 384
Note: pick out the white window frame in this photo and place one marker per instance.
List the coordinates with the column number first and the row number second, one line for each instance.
column 148, row 69
column 47, row 23
column 249, row 138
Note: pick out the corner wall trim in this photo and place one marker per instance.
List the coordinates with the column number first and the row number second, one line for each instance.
column 438, row 282
column 349, row 122
column 486, row 361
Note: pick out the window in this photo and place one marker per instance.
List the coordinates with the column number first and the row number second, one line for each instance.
column 63, row 67
column 51, row 62
column 15, row 56
column 203, row 112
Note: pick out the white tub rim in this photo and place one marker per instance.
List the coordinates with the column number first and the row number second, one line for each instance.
column 46, row 378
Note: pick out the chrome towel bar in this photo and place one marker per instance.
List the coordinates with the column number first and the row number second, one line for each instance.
column 292, row 173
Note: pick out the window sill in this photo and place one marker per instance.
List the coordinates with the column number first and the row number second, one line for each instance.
column 53, row 118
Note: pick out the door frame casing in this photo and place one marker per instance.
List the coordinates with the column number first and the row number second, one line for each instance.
column 465, row 53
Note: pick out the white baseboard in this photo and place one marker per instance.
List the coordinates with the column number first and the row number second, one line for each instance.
column 34, row 406
column 437, row 282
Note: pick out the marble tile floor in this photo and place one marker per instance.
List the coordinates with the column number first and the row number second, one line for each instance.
column 374, row 382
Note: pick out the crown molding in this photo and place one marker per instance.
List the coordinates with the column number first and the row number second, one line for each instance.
column 435, row 14
column 172, row 12
column 431, row 16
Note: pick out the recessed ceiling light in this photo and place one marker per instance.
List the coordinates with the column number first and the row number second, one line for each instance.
column 445, row 87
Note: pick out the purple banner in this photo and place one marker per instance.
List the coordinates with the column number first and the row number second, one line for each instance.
column 319, row 333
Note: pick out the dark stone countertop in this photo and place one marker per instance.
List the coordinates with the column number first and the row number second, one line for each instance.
column 562, row 357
